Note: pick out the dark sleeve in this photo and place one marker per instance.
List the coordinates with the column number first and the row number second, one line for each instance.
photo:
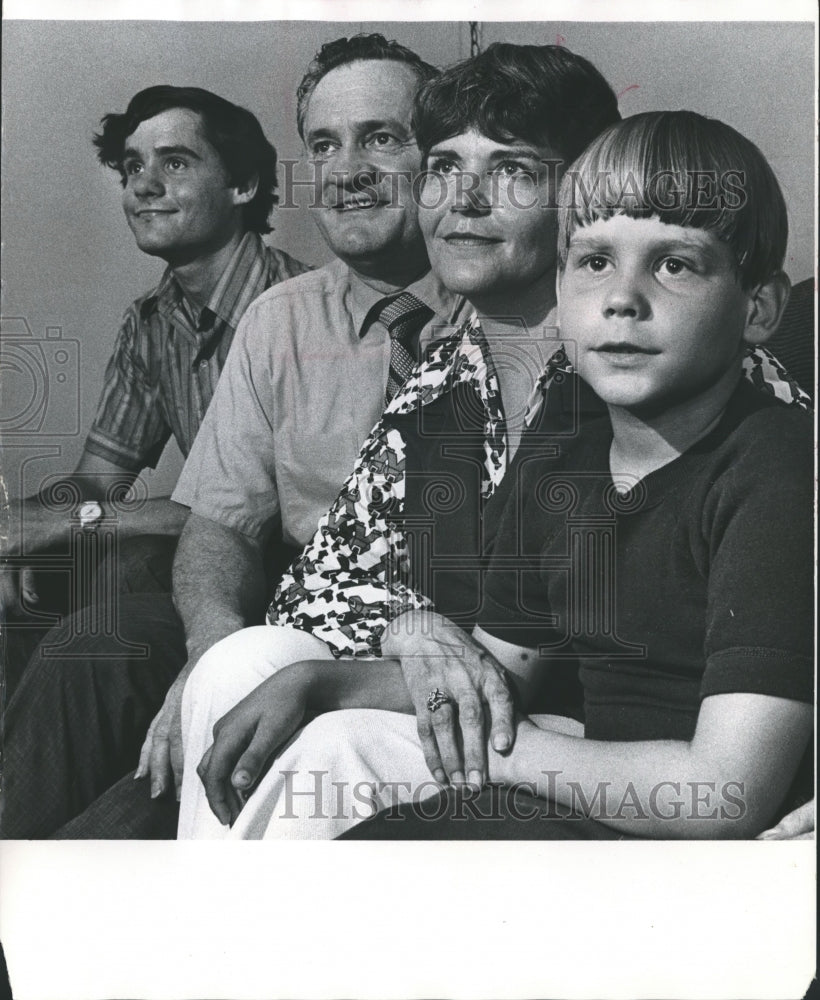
column 516, row 605
column 129, row 428
column 759, row 525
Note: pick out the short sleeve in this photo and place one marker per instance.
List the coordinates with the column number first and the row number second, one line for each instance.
column 229, row 476
column 759, row 526
column 129, row 428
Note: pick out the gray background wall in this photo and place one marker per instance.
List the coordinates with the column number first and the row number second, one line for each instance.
column 69, row 262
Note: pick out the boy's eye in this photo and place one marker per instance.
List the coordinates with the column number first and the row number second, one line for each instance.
column 175, row 163
column 673, row 266
column 596, row 262
column 131, row 167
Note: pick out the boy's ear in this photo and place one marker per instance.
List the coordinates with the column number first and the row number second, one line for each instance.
column 766, row 305
column 245, row 193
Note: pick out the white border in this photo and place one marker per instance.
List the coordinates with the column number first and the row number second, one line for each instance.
column 414, row 10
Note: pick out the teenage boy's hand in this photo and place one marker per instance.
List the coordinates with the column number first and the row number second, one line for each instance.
column 246, row 739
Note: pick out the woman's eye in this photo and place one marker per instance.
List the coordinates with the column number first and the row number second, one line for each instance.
column 510, row 168
column 441, row 165
column 382, row 139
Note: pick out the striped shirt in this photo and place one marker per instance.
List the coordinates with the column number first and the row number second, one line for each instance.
column 167, row 361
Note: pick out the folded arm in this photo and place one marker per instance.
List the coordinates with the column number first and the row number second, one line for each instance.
column 727, row 782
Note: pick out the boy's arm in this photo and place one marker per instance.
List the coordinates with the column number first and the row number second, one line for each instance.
column 727, row 782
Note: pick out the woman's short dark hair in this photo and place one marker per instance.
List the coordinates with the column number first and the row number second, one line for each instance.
column 542, row 94
column 686, row 170
column 233, row 131
column 357, row 48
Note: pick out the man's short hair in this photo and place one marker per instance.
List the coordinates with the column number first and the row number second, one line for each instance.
column 357, row 48
column 542, row 94
column 686, row 170
column 233, row 131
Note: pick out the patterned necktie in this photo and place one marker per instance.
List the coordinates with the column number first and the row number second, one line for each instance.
column 404, row 317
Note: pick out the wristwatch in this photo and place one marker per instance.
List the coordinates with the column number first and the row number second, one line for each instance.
column 90, row 514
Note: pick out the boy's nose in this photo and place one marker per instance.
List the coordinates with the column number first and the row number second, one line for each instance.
column 626, row 298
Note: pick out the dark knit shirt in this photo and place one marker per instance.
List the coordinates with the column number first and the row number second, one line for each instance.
column 698, row 581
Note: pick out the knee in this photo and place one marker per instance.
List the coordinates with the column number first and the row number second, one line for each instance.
column 337, row 734
column 225, row 674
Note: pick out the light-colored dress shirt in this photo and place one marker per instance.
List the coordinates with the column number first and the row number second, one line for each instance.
column 302, row 387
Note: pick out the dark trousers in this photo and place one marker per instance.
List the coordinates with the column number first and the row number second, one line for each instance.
column 76, row 722
column 497, row 813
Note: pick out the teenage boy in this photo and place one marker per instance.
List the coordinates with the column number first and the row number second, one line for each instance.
column 199, row 183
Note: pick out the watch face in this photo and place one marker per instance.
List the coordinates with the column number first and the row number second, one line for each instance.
column 90, row 512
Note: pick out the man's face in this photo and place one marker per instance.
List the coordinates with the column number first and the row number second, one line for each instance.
column 483, row 213
column 656, row 311
column 357, row 133
column 177, row 198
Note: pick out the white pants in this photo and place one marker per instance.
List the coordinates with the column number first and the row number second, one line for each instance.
column 228, row 672
column 338, row 770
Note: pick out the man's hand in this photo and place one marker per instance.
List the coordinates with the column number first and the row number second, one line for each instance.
column 246, row 738
column 161, row 756
column 18, row 591
column 436, row 654
column 797, row 825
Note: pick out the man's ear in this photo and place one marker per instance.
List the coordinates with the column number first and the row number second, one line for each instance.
column 766, row 306
column 245, row 193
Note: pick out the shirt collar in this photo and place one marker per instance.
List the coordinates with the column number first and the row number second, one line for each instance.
column 447, row 306
column 241, row 282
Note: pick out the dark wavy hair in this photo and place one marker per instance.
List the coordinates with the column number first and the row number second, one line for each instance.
column 686, row 170
column 542, row 94
column 357, row 48
column 233, row 131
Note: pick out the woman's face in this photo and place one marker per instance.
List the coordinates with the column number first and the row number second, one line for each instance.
column 485, row 217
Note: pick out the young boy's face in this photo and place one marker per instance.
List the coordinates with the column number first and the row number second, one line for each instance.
column 656, row 310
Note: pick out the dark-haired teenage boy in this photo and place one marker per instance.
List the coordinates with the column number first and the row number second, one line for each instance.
column 199, row 183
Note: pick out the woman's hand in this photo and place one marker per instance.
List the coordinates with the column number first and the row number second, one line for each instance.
column 247, row 737
column 437, row 655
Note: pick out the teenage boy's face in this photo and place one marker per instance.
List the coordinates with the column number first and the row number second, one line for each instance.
column 177, row 197
column 656, row 311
